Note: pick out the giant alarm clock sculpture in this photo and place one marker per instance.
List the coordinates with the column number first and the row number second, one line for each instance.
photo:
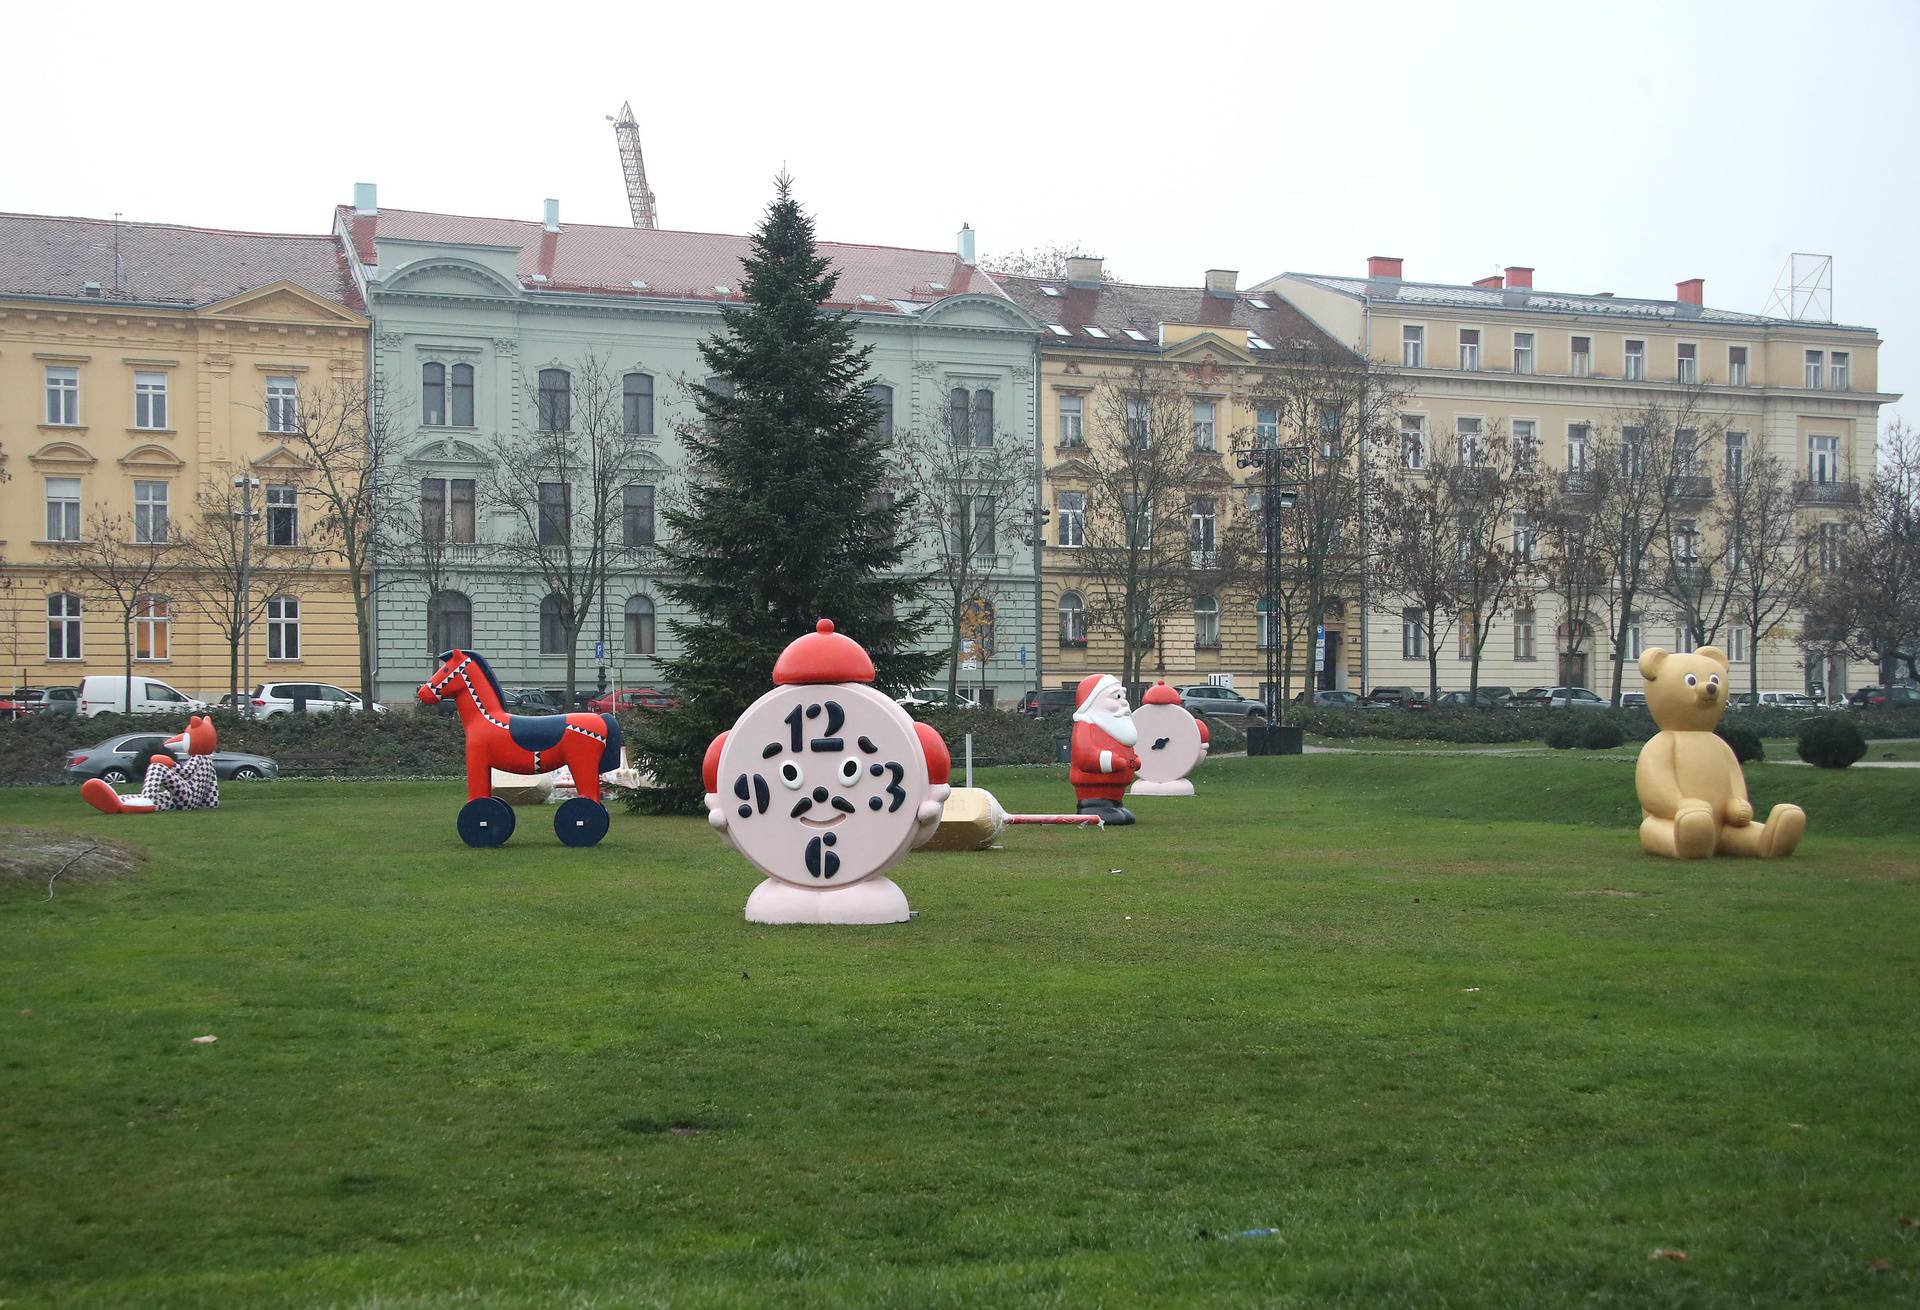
column 824, row 784
column 1171, row 744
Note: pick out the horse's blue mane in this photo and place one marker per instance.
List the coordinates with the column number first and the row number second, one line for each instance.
column 485, row 668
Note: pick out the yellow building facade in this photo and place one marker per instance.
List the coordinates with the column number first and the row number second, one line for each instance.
column 1499, row 355
column 143, row 367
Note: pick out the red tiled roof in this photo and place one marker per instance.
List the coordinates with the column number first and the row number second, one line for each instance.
column 679, row 265
column 1113, row 307
column 163, row 263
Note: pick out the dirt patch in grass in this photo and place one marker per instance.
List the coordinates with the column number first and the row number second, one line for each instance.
column 31, row 856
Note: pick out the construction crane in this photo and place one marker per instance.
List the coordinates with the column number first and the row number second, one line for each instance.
column 639, row 196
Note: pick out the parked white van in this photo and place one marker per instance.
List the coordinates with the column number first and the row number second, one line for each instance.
column 108, row 693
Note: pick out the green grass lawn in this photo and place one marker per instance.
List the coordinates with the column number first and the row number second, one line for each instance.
column 1435, row 1021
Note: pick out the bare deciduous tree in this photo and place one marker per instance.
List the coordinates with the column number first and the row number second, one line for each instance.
column 1047, row 261
column 1866, row 600
column 1420, row 549
column 126, row 571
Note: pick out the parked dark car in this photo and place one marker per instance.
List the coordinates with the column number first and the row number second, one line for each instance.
column 1045, row 703
column 1403, row 698
column 1221, row 702
column 1878, row 698
column 1633, row 700
column 635, row 698
column 1331, row 700
column 1486, row 698
column 112, row 760
column 40, row 700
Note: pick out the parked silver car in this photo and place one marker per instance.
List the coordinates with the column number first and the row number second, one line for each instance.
column 1221, row 703
column 271, row 699
column 113, row 759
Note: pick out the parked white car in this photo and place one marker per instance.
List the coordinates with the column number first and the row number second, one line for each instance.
column 104, row 693
column 271, row 699
column 935, row 698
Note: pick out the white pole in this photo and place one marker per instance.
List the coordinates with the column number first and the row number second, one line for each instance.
column 969, row 759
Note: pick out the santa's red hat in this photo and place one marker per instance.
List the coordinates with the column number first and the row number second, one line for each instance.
column 1160, row 694
column 823, row 655
column 1092, row 685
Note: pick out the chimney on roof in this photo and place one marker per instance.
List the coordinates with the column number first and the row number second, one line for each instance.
column 1384, row 265
column 551, row 219
column 1519, row 277
column 366, row 198
column 1084, row 270
column 1493, row 283
column 91, row 289
column 1691, row 292
column 1223, row 283
column 963, row 244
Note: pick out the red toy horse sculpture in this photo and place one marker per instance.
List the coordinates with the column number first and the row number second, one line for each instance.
column 585, row 744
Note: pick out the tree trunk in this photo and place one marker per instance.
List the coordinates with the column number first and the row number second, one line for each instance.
column 953, row 643
column 126, row 643
column 1620, row 646
column 1473, row 674
column 1433, row 662
column 1753, row 662
column 233, row 666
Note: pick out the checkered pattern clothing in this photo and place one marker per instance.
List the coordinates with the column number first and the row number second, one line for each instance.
column 191, row 784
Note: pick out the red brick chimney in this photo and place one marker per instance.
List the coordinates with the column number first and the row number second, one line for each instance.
column 1691, row 292
column 1384, row 265
column 1493, row 283
column 1519, row 277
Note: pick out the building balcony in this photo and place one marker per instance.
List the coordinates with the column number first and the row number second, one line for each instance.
column 1827, row 493
column 1473, row 480
column 1576, row 482
column 1689, row 578
column 1205, row 560
column 1692, row 487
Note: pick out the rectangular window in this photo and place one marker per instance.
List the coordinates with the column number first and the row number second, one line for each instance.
column 63, row 627
column 1636, row 361
column 283, row 628
column 1470, row 349
column 636, row 406
column 1686, row 541
column 1840, row 370
column 1413, row 635
column 1206, row 623
column 1138, row 420
column 1736, row 646
column 1736, row 366
column 63, row 396
column 1523, row 534
column 433, row 396
column 1634, row 643
column 1736, row 455
column 1467, row 434
column 1579, row 437
column 462, row 395
column 1526, row 445
column 1686, row 363
column 556, row 513
column 1139, row 520
column 1823, row 459
column 1266, row 427
column 973, row 523
column 63, row 509
column 149, row 512
column 556, row 400
column 1073, row 518
column 1580, row 357
column 1413, row 347
column 1203, row 412
column 151, row 628
column 283, row 405
column 1467, row 624
column 1683, row 641
column 1633, row 452
column 1329, row 431
column 1072, row 421
column 460, row 509
column 150, row 401
column 283, row 516
column 1523, row 352
column 1201, row 519
column 1831, row 538
column 1816, row 368
column 446, row 510
column 1523, row 634
column 1413, row 441
column 636, row 515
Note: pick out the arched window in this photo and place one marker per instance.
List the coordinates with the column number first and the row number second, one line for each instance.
column 556, row 400
column 636, row 395
column 152, row 628
column 983, row 417
column 433, row 394
column 639, row 625
column 1206, row 621
column 553, row 625
column 462, row 412
column 63, row 626
column 1073, row 619
column 882, row 397
column 449, row 622
column 283, row 628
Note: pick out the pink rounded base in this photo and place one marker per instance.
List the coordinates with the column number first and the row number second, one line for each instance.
column 1178, row 787
column 871, row 900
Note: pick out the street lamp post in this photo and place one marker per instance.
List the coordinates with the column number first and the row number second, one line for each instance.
column 1281, row 466
column 246, row 514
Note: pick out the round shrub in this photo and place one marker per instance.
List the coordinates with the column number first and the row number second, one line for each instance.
column 1744, row 741
column 1563, row 734
column 1831, row 742
column 1602, row 732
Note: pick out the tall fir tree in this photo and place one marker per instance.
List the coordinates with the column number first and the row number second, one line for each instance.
column 784, row 521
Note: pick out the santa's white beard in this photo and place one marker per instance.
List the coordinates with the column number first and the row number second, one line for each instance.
column 1120, row 727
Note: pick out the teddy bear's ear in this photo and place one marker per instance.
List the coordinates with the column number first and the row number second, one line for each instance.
column 1715, row 654
column 1650, row 661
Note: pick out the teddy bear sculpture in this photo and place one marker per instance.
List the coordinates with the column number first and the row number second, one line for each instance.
column 1692, row 791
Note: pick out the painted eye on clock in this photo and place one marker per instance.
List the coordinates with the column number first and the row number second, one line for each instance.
column 849, row 771
column 790, row 776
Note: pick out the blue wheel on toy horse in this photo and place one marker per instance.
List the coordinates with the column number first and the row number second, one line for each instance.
column 580, row 822
column 488, row 821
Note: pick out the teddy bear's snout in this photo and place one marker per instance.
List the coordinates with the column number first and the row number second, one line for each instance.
column 1707, row 693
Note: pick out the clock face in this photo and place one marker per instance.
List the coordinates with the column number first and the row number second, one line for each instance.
column 1169, row 745
column 823, row 782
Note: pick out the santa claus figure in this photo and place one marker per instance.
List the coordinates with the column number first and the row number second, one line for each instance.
column 1171, row 742
column 824, row 784
column 1102, row 761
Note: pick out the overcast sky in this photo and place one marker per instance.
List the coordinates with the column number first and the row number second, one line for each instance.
column 1619, row 149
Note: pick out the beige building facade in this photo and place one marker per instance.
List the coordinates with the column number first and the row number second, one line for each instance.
column 1500, row 355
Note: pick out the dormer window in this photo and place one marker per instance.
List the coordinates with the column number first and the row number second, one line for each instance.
column 1135, row 335
column 1058, row 330
column 1050, row 291
column 1097, row 334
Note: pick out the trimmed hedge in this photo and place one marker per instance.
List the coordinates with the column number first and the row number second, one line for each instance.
column 1494, row 727
column 1831, row 742
column 1745, row 742
column 1602, row 732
